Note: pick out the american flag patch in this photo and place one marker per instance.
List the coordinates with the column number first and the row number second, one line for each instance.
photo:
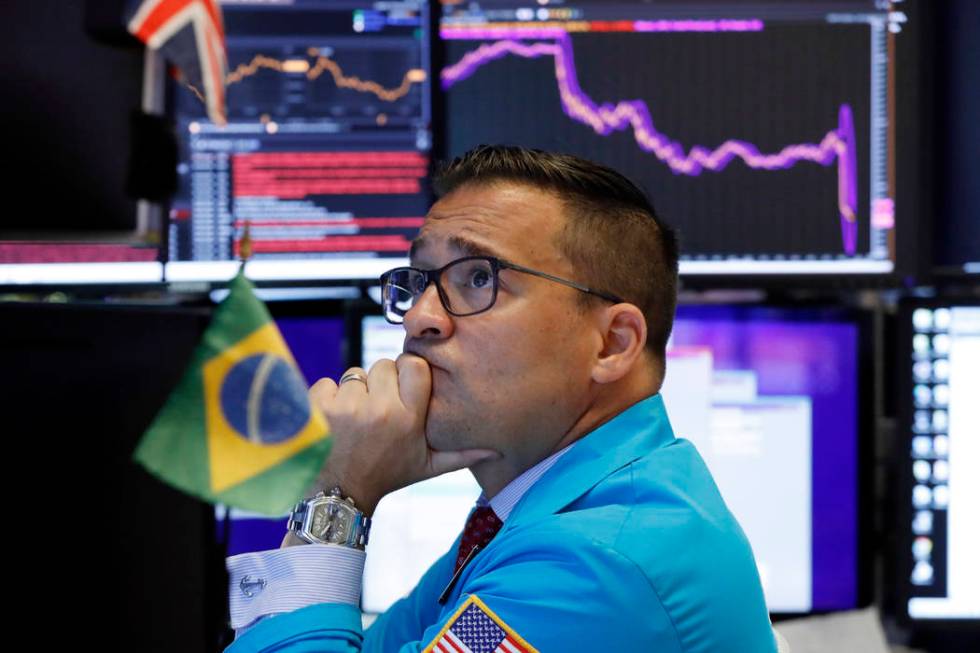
column 476, row 629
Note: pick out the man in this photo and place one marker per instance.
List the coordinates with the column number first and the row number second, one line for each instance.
column 537, row 311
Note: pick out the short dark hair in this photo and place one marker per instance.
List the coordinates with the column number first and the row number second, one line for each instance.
column 613, row 235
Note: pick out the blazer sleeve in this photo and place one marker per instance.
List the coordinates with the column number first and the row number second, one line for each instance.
column 552, row 590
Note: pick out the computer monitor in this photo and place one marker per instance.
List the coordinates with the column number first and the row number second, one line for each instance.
column 325, row 157
column 111, row 367
column 956, row 228
column 773, row 398
column 775, row 411
column 764, row 131
column 938, row 463
column 67, row 142
column 315, row 334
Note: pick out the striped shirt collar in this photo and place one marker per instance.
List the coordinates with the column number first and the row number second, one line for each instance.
column 505, row 500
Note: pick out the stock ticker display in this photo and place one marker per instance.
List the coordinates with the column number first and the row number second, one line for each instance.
column 326, row 152
column 760, row 130
column 764, row 131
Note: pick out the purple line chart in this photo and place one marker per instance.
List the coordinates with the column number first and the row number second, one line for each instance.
column 836, row 145
column 762, row 141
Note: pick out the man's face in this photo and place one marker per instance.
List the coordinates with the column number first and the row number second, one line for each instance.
column 514, row 378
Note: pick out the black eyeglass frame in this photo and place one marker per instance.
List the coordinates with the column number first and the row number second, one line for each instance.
column 496, row 265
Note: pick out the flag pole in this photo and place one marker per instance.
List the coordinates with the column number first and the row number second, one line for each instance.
column 245, row 246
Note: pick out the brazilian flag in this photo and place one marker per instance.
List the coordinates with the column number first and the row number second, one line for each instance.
column 239, row 428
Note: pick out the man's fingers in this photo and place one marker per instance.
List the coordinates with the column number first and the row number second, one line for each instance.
column 414, row 382
column 359, row 382
column 323, row 393
column 441, row 462
column 383, row 378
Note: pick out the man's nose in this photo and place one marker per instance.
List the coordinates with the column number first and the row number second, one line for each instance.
column 428, row 318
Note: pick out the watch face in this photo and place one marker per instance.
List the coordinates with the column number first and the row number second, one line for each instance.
column 331, row 523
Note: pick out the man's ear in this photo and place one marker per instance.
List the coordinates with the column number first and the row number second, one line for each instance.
column 624, row 338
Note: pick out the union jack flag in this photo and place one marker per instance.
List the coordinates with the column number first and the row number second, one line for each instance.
column 191, row 35
column 476, row 629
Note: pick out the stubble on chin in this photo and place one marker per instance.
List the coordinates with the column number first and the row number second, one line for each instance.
column 445, row 431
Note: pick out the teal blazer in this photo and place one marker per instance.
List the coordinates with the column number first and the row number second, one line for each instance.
column 625, row 544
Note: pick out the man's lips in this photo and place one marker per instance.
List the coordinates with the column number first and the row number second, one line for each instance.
column 428, row 358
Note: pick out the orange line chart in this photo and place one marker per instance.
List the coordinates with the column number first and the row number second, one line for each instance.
column 317, row 65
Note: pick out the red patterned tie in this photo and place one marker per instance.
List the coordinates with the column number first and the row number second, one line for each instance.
column 480, row 528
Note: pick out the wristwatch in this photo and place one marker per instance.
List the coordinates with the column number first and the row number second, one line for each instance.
column 329, row 518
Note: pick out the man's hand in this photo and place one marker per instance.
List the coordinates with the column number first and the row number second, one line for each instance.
column 378, row 432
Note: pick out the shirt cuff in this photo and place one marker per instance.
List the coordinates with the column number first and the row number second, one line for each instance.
column 283, row 580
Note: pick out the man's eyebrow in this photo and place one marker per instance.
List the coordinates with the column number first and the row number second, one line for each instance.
column 469, row 248
column 463, row 245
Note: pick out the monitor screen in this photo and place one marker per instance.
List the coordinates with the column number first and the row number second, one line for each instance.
column 770, row 397
column 956, row 227
column 325, row 156
column 776, row 415
column 940, row 349
column 761, row 130
column 67, row 142
column 317, row 343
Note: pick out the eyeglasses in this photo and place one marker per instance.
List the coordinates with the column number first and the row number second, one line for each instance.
column 466, row 286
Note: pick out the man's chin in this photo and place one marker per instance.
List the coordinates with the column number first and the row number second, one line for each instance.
column 437, row 443
column 437, row 431
column 443, row 438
